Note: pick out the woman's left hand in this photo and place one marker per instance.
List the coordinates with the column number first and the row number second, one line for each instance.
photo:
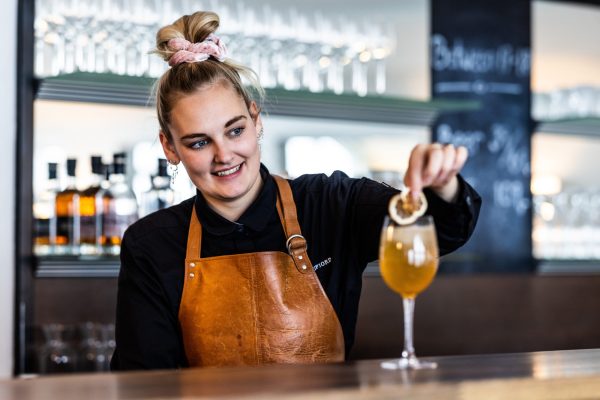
column 435, row 166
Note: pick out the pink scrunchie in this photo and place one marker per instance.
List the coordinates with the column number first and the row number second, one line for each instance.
column 189, row 52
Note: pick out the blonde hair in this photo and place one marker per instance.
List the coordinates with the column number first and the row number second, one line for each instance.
column 186, row 78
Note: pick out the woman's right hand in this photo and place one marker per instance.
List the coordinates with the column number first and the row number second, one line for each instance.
column 435, row 166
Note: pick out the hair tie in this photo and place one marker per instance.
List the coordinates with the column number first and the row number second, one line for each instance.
column 189, row 52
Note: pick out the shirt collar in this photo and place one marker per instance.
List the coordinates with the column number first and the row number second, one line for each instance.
column 254, row 218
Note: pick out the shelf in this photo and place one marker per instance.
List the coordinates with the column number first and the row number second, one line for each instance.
column 108, row 267
column 77, row 267
column 568, row 267
column 136, row 91
column 574, row 126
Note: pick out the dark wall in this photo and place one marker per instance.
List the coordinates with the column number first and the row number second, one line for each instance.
column 474, row 314
column 458, row 314
column 74, row 300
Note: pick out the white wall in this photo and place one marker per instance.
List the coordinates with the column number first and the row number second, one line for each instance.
column 8, row 30
column 565, row 43
column 566, row 53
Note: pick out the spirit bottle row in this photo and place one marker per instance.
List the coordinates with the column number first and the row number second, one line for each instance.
column 67, row 214
column 91, row 208
column 120, row 207
column 44, row 212
column 160, row 194
column 92, row 221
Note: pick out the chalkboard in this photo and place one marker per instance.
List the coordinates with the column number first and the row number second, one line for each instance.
column 481, row 51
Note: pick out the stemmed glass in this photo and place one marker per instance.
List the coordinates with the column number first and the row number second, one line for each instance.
column 408, row 260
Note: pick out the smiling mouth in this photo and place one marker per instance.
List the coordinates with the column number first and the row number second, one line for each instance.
column 228, row 171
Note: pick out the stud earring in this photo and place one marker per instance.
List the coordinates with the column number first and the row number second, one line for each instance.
column 173, row 169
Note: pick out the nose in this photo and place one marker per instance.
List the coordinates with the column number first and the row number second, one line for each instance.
column 223, row 153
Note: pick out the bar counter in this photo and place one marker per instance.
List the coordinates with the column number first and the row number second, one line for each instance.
column 572, row 374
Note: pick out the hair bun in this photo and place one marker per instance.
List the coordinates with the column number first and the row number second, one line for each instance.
column 194, row 28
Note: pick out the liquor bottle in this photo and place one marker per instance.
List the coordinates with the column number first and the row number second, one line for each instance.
column 44, row 214
column 119, row 206
column 67, row 214
column 160, row 195
column 90, row 206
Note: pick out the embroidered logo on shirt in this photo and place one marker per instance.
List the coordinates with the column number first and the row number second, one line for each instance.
column 322, row 264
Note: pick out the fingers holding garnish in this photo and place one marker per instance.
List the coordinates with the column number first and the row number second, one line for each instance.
column 435, row 165
column 404, row 210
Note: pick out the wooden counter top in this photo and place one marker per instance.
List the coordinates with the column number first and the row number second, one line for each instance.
column 573, row 374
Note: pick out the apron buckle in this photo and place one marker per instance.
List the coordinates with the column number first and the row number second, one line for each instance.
column 288, row 242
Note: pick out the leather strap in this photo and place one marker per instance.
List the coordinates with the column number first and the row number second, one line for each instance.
column 286, row 208
column 194, row 237
column 296, row 243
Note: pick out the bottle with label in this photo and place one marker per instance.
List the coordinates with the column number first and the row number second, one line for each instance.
column 119, row 206
column 44, row 215
column 160, row 195
column 90, row 205
column 67, row 214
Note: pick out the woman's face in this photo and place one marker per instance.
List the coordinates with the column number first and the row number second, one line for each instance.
column 216, row 139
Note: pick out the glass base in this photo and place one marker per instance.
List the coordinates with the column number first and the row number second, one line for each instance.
column 408, row 363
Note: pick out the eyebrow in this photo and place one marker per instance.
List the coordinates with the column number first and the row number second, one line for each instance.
column 227, row 124
column 234, row 120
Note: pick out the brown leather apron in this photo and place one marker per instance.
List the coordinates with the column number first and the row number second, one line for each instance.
column 256, row 308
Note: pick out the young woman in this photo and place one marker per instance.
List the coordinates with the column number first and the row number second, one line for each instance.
column 255, row 268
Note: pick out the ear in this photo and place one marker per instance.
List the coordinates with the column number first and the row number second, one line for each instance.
column 168, row 148
column 255, row 114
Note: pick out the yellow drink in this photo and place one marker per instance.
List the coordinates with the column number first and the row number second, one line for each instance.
column 408, row 258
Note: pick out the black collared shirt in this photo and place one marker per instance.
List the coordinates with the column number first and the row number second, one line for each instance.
column 340, row 218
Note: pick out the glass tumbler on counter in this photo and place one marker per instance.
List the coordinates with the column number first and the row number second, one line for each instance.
column 92, row 349
column 109, row 343
column 56, row 355
column 408, row 260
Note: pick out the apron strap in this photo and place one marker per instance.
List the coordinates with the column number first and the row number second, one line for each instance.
column 295, row 243
column 194, row 237
column 286, row 208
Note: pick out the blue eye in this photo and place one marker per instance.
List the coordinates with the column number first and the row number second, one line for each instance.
column 199, row 144
column 236, row 131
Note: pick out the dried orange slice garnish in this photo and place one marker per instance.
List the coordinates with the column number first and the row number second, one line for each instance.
column 404, row 210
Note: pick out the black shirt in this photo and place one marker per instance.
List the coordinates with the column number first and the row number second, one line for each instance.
column 340, row 218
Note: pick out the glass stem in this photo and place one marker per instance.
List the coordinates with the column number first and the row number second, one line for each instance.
column 409, row 308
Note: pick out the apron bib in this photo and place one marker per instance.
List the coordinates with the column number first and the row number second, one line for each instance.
column 257, row 308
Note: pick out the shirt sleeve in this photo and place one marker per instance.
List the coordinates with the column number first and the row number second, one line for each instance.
column 454, row 221
column 147, row 333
